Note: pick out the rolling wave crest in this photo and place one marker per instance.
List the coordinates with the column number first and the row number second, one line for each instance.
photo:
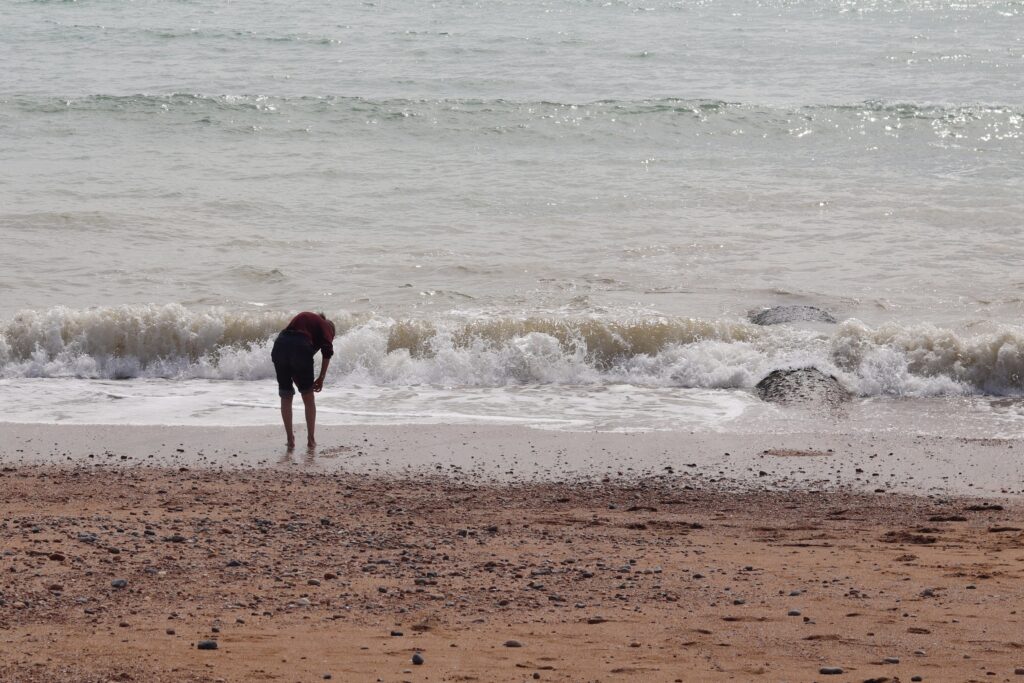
column 173, row 342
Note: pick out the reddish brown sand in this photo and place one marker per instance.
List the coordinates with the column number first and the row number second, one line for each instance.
column 615, row 581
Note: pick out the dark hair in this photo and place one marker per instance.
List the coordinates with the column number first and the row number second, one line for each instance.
column 329, row 322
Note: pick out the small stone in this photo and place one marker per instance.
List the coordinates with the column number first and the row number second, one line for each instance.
column 313, row 582
column 916, row 678
column 596, row 620
column 234, row 563
column 119, row 583
column 170, row 632
column 891, row 660
column 513, row 643
column 56, row 557
column 176, row 538
column 417, row 659
column 303, row 602
column 397, row 634
column 830, row 671
column 1019, row 671
column 793, row 613
column 206, row 645
column 330, row 576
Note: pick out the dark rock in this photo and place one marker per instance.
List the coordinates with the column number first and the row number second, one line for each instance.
column 207, row 645
column 417, row 659
column 830, row 671
column 777, row 315
column 396, row 633
column 802, row 386
column 119, row 583
column 234, row 563
column 513, row 643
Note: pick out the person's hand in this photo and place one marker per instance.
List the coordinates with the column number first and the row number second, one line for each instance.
column 318, row 385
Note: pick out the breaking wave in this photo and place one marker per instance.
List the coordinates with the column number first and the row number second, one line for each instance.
column 173, row 342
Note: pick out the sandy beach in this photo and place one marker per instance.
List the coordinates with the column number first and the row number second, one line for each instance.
column 312, row 569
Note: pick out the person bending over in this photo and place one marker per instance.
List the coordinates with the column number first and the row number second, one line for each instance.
column 293, row 354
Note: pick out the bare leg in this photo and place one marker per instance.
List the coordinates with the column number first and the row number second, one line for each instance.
column 286, row 417
column 309, row 399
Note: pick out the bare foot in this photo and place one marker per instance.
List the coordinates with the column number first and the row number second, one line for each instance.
column 291, row 444
column 310, row 443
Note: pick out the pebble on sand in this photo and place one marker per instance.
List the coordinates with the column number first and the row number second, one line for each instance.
column 206, row 645
column 417, row 659
column 513, row 643
column 119, row 583
column 830, row 671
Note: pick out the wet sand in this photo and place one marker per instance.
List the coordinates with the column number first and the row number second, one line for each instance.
column 893, row 461
column 298, row 573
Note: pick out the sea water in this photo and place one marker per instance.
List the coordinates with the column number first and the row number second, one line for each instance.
column 550, row 212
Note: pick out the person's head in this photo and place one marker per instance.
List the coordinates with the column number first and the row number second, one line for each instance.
column 329, row 322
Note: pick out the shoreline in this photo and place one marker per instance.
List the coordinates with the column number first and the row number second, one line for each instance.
column 868, row 462
column 298, row 575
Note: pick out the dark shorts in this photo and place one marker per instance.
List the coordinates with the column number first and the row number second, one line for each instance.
column 293, row 362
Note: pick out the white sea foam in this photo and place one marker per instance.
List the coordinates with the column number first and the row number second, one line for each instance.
column 173, row 342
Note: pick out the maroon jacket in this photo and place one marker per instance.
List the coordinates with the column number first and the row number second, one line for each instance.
column 317, row 329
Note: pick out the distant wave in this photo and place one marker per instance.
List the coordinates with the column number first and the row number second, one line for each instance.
column 655, row 119
column 670, row 105
column 170, row 341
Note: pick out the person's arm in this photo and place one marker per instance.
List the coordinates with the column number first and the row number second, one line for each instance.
column 319, row 383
